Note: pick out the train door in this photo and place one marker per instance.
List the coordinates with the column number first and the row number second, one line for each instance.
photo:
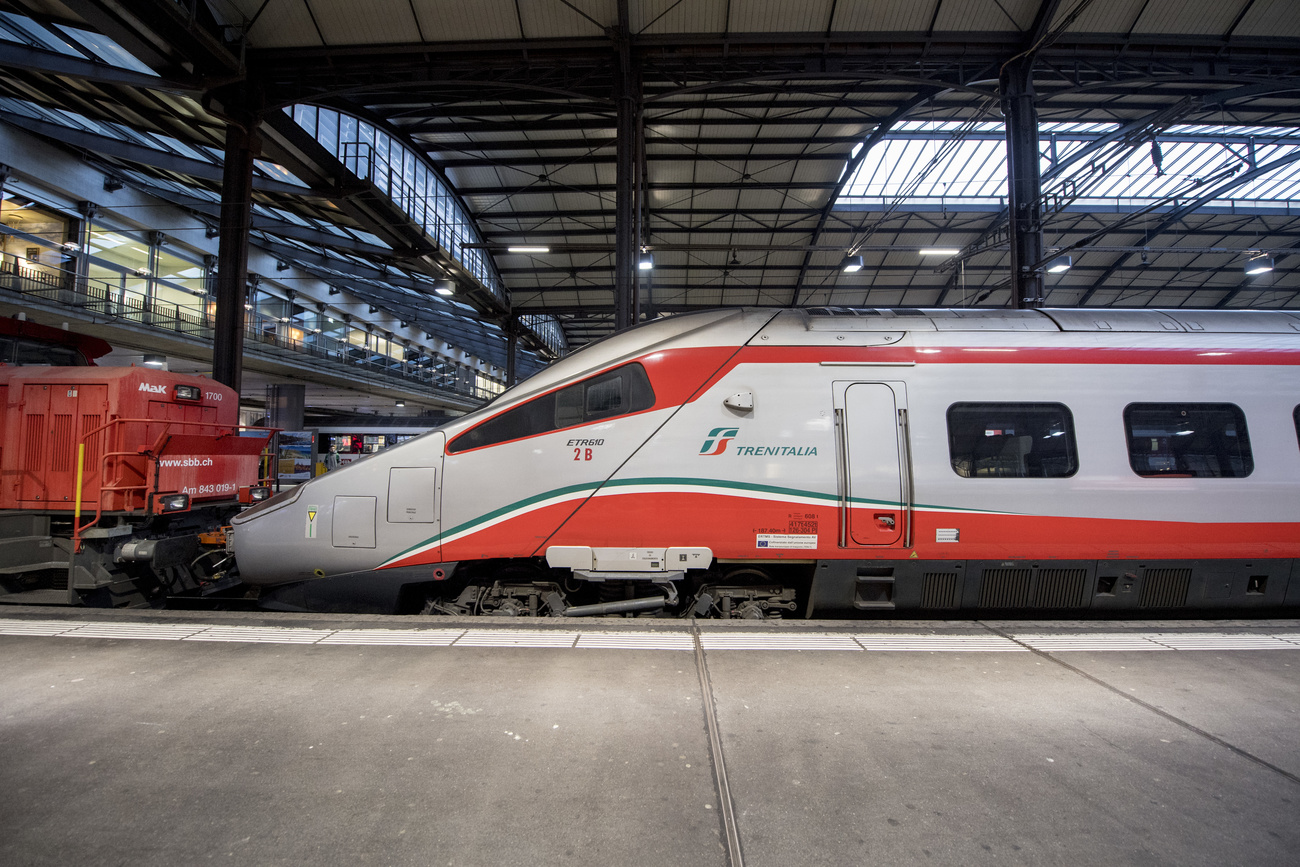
column 55, row 415
column 413, row 516
column 871, row 421
column 36, row 442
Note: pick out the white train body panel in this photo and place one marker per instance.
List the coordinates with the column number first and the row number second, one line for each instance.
column 778, row 437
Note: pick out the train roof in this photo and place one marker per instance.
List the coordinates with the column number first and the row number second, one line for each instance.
column 1047, row 319
column 738, row 325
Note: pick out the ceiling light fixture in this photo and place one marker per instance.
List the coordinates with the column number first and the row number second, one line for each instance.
column 939, row 251
column 1260, row 265
column 851, row 264
column 444, row 288
column 1060, row 265
column 646, row 262
column 155, row 360
column 528, row 249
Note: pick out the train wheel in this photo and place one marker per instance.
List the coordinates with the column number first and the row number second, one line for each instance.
column 513, row 590
column 744, row 593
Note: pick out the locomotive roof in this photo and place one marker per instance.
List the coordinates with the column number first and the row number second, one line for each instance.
column 90, row 347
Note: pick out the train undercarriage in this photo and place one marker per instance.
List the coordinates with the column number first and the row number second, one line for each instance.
column 727, row 591
column 835, row 589
column 124, row 560
column 532, row 590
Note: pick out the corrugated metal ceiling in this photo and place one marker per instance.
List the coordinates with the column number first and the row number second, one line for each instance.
column 751, row 113
column 295, row 23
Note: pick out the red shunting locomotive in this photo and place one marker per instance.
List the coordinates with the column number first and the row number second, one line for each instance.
column 115, row 482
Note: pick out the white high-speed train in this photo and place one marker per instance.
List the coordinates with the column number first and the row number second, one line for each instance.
column 818, row 462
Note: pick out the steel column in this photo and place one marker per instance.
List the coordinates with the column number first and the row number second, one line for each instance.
column 156, row 241
column 512, row 349
column 625, row 216
column 242, row 145
column 88, row 211
column 1024, row 183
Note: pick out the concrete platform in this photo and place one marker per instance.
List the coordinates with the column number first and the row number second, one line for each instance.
column 182, row 737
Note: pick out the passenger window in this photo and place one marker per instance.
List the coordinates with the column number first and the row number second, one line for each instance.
column 1012, row 440
column 568, row 407
column 618, row 392
column 1188, row 440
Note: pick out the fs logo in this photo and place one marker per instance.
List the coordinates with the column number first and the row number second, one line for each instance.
column 716, row 444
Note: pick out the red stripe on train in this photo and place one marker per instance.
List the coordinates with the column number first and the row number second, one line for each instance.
column 729, row 525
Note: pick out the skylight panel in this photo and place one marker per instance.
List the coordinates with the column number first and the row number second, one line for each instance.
column 77, row 121
column 10, row 35
column 291, row 217
column 278, row 172
column 294, row 242
column 144, row 139
column 102, row 48
column 17, row 28
column 176, row 146
column 1219, row 130
column 367, row 237
column 18, row 106
column 974, row 168
column 1066, row 129
column 333, row 229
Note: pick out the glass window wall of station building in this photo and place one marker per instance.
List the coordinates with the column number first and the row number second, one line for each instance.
column 144, row 278
column 40, row 240
column 371, row 154
column 148, row 278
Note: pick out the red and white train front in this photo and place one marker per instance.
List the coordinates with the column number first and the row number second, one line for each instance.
column 752, row 462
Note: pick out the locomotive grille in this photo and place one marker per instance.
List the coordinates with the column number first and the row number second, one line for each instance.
column 34, row 443
column 89, row 423
column 1004, row 588
column 939, row 590
column 1061, row 588
column 1164, row 588
column 61, row 439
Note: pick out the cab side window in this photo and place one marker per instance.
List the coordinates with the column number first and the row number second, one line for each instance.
column 33, row 353
column 1188, row 440
column 617, row 392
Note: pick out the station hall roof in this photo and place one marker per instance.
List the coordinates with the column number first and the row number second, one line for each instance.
column 771, row 139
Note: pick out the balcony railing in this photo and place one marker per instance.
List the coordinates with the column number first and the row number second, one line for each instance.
column 197, row 320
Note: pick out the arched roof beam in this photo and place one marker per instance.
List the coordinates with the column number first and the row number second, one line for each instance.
column 1173, row 217
column 1123, row 139
column 882, row 129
